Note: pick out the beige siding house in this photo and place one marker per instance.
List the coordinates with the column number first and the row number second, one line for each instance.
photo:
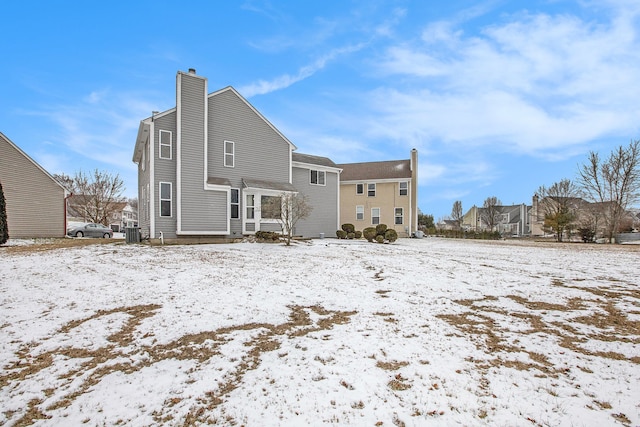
column 384, row 192
column 35, row 200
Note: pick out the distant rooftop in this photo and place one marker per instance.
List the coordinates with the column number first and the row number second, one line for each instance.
column 313, row 160
column 390, row 169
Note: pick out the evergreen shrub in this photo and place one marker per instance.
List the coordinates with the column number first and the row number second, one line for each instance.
column 380, row 229
column 391, row 235
column 369, row 233
column 349, row 228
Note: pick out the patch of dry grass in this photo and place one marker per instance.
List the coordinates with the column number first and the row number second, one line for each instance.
column 200, row 347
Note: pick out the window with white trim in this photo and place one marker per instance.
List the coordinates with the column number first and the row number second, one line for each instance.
column 404, row 188
column 229, row 154
column 165, row 199
column 399, row 216
column 317, row 177
column 165, row 144
column 359, row 189
column 360, row 213
column 271, row 207
column 375, row 216
column 371, row 190
column 235, row 203
column 250, row 207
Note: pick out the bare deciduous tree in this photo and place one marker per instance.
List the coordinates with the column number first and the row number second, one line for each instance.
column 287, row 209
column 614, row 183
column 491, row 212
column 559, row 203
column 94, row 195
column 456, row 213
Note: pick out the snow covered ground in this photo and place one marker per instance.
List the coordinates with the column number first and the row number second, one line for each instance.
column 419, row 332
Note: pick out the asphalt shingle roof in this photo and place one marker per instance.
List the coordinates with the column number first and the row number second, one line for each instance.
column 390, row 169
column 313, row 160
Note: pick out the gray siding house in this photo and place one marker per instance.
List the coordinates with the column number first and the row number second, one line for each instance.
column 318, row 178
column 35, row 201
column 206, row 167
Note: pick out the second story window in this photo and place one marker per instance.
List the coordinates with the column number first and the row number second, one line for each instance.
column 404, row 188
column 359, row 189
column 371, row 190
column 165, row 144
column 317, row 177
column 229, row 154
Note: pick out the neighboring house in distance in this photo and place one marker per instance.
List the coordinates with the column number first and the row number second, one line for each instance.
column 587, row 215
column 35, row 201
column 447, row 224
column 124, row 216
column 384, row 192
column 513, row 220
column 207, row 166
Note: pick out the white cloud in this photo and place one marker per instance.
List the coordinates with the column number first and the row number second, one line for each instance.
column 99, row 128
column 263, row 86
column 538, row 84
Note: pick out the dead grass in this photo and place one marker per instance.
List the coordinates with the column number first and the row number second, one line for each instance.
column 40, row 245
column 484, row 321
column 391, row 366
column 98, row 363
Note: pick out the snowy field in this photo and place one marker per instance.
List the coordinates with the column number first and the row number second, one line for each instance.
column 419, row 332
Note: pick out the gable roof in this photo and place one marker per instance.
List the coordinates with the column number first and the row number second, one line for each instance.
column 12, row 144
column 390, row 169
column 143, row 129
column 313, row 160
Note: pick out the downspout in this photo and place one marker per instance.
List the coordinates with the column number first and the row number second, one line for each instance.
column 65, row 210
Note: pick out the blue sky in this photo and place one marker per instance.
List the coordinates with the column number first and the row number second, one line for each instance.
column 499, row 97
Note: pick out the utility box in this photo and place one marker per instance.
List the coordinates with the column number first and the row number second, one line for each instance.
column 132, row 235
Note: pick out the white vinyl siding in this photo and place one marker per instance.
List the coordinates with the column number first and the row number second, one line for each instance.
column 229, row 154
column 399, row 216
column 165, row 199
column 166, row 144
column 360, row 213
column 317, row 177
column 375, row 216
column 371, row 190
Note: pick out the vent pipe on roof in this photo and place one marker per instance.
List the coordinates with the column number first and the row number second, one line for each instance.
column 192, row 70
